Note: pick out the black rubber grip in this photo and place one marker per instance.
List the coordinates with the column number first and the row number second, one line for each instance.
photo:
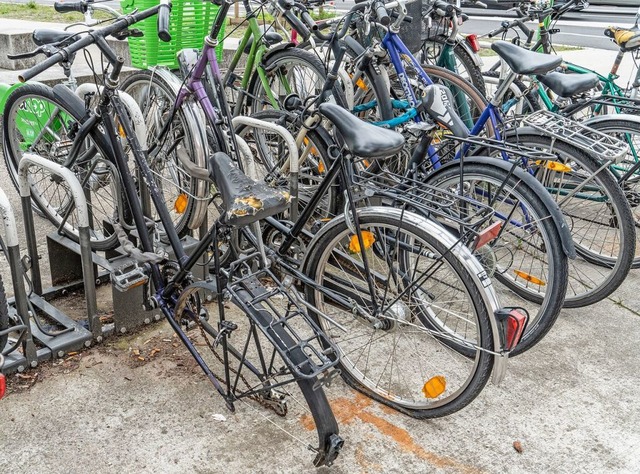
column 443, row 8
column 381, row 13
column 296, row 24
column 163, row 22
column 407, row 18
column 38, row 68
column 309, row 21
column 66, row 7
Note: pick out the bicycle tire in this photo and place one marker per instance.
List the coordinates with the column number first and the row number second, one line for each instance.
column 52, row 138
column 510, row 262
column 628, row 131
column 473, row 71
column 614, row 213
column 415, row 332
column 184, row 196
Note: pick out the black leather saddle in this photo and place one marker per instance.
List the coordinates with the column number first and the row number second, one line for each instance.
column 270, row 37
column 46, row 36
column 362, row 139
column 566, row 85
column 244, row 200
column 523, row 61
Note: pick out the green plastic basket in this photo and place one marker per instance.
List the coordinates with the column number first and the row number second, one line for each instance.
column 191, row 21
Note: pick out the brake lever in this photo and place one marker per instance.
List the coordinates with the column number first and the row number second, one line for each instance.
column 27, row 55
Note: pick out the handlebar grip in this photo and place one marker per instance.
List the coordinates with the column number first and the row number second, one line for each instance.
column 66, row 7
column 309, row 21
column 443, row 8
column 295, row 22
column 381, row 13
column 163, row 22
column 38, row 68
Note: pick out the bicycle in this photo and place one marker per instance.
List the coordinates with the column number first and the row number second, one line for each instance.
column 278, row 312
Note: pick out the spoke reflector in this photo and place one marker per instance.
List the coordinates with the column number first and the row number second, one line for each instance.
column 181, row 203
column 367, row 239
column 530, row 278
column 434, row 387
column 554, row 166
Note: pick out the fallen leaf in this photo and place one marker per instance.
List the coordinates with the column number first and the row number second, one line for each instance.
column 141, row 358
column 517, row 445
column 136, row 352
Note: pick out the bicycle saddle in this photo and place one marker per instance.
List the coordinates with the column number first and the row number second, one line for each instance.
column 523, row 61
column 244, row 200
column 44, row 36
column 363, row 139
column 627, row 38
column 271, row 38
column 566, row 85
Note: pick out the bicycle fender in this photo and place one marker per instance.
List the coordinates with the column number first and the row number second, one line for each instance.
column 478, row 274
column 554, row 210
column 5, row 91
column 272, row 50
column 477, row 60
column 605, row 118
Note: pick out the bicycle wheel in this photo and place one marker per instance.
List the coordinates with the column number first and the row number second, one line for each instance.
column 37, row 121
column 597, row 213
column 466, row 67
column 629, row 132
column 526, row 259
column 424, row 350
column 289, row 71
column 183, row 140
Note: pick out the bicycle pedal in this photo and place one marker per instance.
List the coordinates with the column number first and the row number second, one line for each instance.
column 129, row 276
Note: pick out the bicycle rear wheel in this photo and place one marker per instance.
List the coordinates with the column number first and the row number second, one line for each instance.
column 597, row 213
column 421, row 342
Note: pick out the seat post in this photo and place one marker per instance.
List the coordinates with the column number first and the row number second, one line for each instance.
column 616, row 63
column 503, row 88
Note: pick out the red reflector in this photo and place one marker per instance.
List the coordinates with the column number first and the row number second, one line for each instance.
column 3, row 385
column 472, row 40
column 516, row 323
column 488, row 234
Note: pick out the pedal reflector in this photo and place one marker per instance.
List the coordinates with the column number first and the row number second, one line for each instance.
column 368, row 240
column 530, row 278
column 3, row 385
column 434, row 387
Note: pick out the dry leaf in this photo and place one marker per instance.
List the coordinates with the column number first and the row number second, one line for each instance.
column 141, row 358
column 136, row 352
column 517, row 445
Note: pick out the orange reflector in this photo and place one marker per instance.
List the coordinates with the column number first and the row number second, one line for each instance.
column 529, row 278
column 360, row 83
column 367, row 239
column 434, row 387
column 367, row 163
column 121, row 131
column 554, row 166
column 488, row 234
column 321, row 167
column 181, row 203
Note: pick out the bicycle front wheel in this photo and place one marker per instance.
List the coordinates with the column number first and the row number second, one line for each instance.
column 421, row 342
column 40, row 122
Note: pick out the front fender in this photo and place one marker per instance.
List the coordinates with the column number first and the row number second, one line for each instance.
column 5, row 90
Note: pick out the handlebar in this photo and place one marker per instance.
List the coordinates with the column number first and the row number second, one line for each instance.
column 381, row 12
column 164, row 12
column 98, row 37
column 66, row 7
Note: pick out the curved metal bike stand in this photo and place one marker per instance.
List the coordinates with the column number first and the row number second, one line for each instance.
column 73, row 335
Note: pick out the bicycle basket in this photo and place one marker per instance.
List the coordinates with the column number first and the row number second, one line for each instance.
column 191, row 21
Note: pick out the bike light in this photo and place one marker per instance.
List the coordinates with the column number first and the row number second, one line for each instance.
column 181, row 203
column 513, row 322
column 434, row 387
column 488, row 234
column 472, row 40
column 367, row 239
column 530, row 278
column 3, row 385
